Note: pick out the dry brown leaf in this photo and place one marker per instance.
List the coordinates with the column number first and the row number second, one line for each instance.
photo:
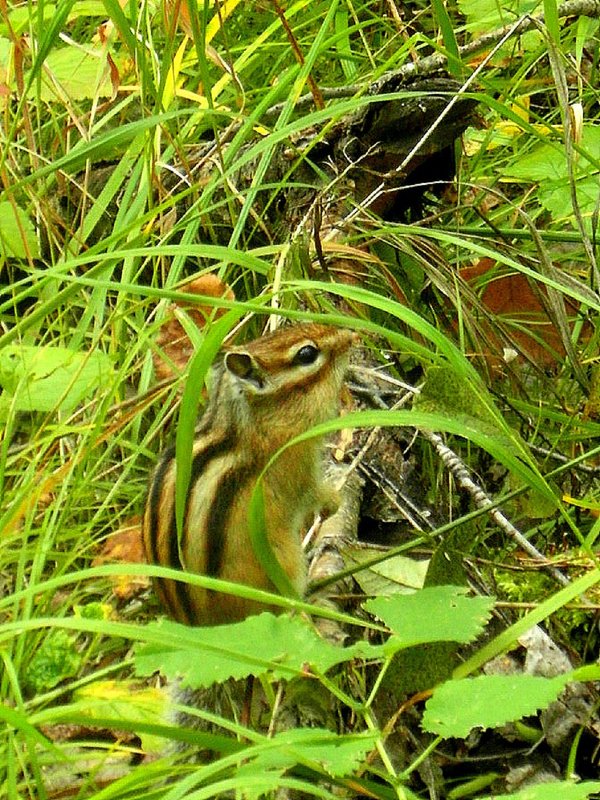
column 125, row 547
column 512, row 296
column 173, row 342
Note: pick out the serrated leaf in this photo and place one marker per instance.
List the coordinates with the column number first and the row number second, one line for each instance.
column 547, row 164
column 265, row 643
column 486, row 12
column 544, row 163
column 18, row 19
column 17, row 234
column 49, row 378
column 434, row 614
column 487, row 15
column 255, row 783
column 562, row 790
column 488, row 701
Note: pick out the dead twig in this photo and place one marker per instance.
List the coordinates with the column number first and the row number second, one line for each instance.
column 434, row 63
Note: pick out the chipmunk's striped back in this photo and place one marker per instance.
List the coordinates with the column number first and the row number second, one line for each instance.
column 262, row 395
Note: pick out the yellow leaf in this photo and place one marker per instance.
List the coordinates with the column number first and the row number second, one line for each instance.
column 130, row 701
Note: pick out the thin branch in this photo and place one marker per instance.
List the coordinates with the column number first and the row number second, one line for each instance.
column 461, row 475
column 459, row 470
column 433, row 63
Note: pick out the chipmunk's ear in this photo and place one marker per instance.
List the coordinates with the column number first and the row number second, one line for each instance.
column 243, row 366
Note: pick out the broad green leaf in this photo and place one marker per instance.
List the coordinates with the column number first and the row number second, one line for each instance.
column 19, row 18
column 87, row 8
column 49, row 378
column 555, row 196
column 548, row 162
column 17, row 234
column 264, row 643
column 547, row 165
column 562, row 790
column 434, row 614
column 487, row 15
column 80, row 74
column 254, row 782
column 488, row 701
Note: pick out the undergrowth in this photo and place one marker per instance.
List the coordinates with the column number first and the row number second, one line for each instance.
column 105, row 109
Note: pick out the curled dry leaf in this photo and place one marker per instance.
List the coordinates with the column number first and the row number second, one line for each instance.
column 125, row 547
column 174, row 346
column 513, row 297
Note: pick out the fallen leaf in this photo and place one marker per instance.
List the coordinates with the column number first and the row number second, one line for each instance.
column 512, row 296
column 125, row 546
column 175, row 347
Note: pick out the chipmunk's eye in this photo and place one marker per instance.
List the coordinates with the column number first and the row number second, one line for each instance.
column 307, row 354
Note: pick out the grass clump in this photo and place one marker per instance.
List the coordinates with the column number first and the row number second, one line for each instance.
column 146, row 145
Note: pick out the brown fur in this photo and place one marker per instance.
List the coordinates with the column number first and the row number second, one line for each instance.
column 257, row 404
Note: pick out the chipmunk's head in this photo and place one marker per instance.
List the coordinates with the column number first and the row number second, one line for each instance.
column 291, row 378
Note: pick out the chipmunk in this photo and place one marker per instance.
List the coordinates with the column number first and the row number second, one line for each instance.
column 262, row 395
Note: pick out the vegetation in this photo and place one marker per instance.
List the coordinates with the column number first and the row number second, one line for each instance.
column 137, row 152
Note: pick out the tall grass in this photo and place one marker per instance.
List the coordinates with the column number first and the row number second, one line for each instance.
column 95, row 243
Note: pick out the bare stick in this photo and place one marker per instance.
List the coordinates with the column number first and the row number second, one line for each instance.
column 430, row 64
